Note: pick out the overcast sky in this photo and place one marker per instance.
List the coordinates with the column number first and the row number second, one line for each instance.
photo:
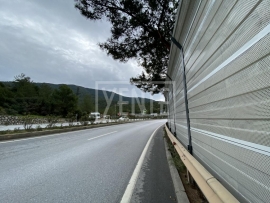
column 50, row 41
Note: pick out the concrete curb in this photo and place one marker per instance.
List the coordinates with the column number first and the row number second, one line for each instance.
column 54, row 131
column 181, row 195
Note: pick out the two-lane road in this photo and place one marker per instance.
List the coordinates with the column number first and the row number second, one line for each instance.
column 92, row 165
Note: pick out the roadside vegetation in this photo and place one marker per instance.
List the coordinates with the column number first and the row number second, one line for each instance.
column 28, row 126
column 140, row 30
column 22, row 97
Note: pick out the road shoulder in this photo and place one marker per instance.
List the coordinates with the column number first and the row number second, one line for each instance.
column 178, row 185
column 155, row 184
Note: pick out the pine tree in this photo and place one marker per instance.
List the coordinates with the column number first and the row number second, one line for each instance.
column 141, row 29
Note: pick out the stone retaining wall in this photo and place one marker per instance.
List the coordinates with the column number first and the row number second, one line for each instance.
column 16, row 120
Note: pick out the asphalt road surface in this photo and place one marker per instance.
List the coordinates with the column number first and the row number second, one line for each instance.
column 92, row 165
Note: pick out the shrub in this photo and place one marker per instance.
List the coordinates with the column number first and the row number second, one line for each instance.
column 7, row 123
column 52, row 120
column 39, row 128
column 16, row 130
column 70, row 118
column 27, row 122
column 2, row 111
column 84, row 120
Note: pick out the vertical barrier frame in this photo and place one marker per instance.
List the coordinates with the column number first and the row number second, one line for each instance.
column 178, row 45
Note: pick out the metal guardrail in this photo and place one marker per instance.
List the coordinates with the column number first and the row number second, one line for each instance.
column 212, row 189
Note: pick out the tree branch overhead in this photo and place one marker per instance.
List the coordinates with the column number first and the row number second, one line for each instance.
column 140, row 31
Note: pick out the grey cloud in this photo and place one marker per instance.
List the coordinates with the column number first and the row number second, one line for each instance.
column 51, row 42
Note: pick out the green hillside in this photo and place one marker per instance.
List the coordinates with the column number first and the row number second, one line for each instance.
column 83, row 91
column 26, row 97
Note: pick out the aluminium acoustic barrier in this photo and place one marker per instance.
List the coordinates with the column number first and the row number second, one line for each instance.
column 226, row 47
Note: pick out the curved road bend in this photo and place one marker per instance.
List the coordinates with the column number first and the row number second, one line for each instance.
column 92, row 165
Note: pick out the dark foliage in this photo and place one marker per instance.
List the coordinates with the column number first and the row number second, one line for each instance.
column 141, row 29
column 24, row 97
column 64, row 100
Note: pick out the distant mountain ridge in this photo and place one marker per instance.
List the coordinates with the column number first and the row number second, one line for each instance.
column 92, row 92
column 83, row 91
column 135, row 104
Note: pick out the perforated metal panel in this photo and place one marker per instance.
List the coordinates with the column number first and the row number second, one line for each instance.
column 227, row 59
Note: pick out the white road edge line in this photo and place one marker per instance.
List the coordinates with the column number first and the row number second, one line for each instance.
column 132, row 182
column 31, row 138
column 44, row 136
column 102, row 135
